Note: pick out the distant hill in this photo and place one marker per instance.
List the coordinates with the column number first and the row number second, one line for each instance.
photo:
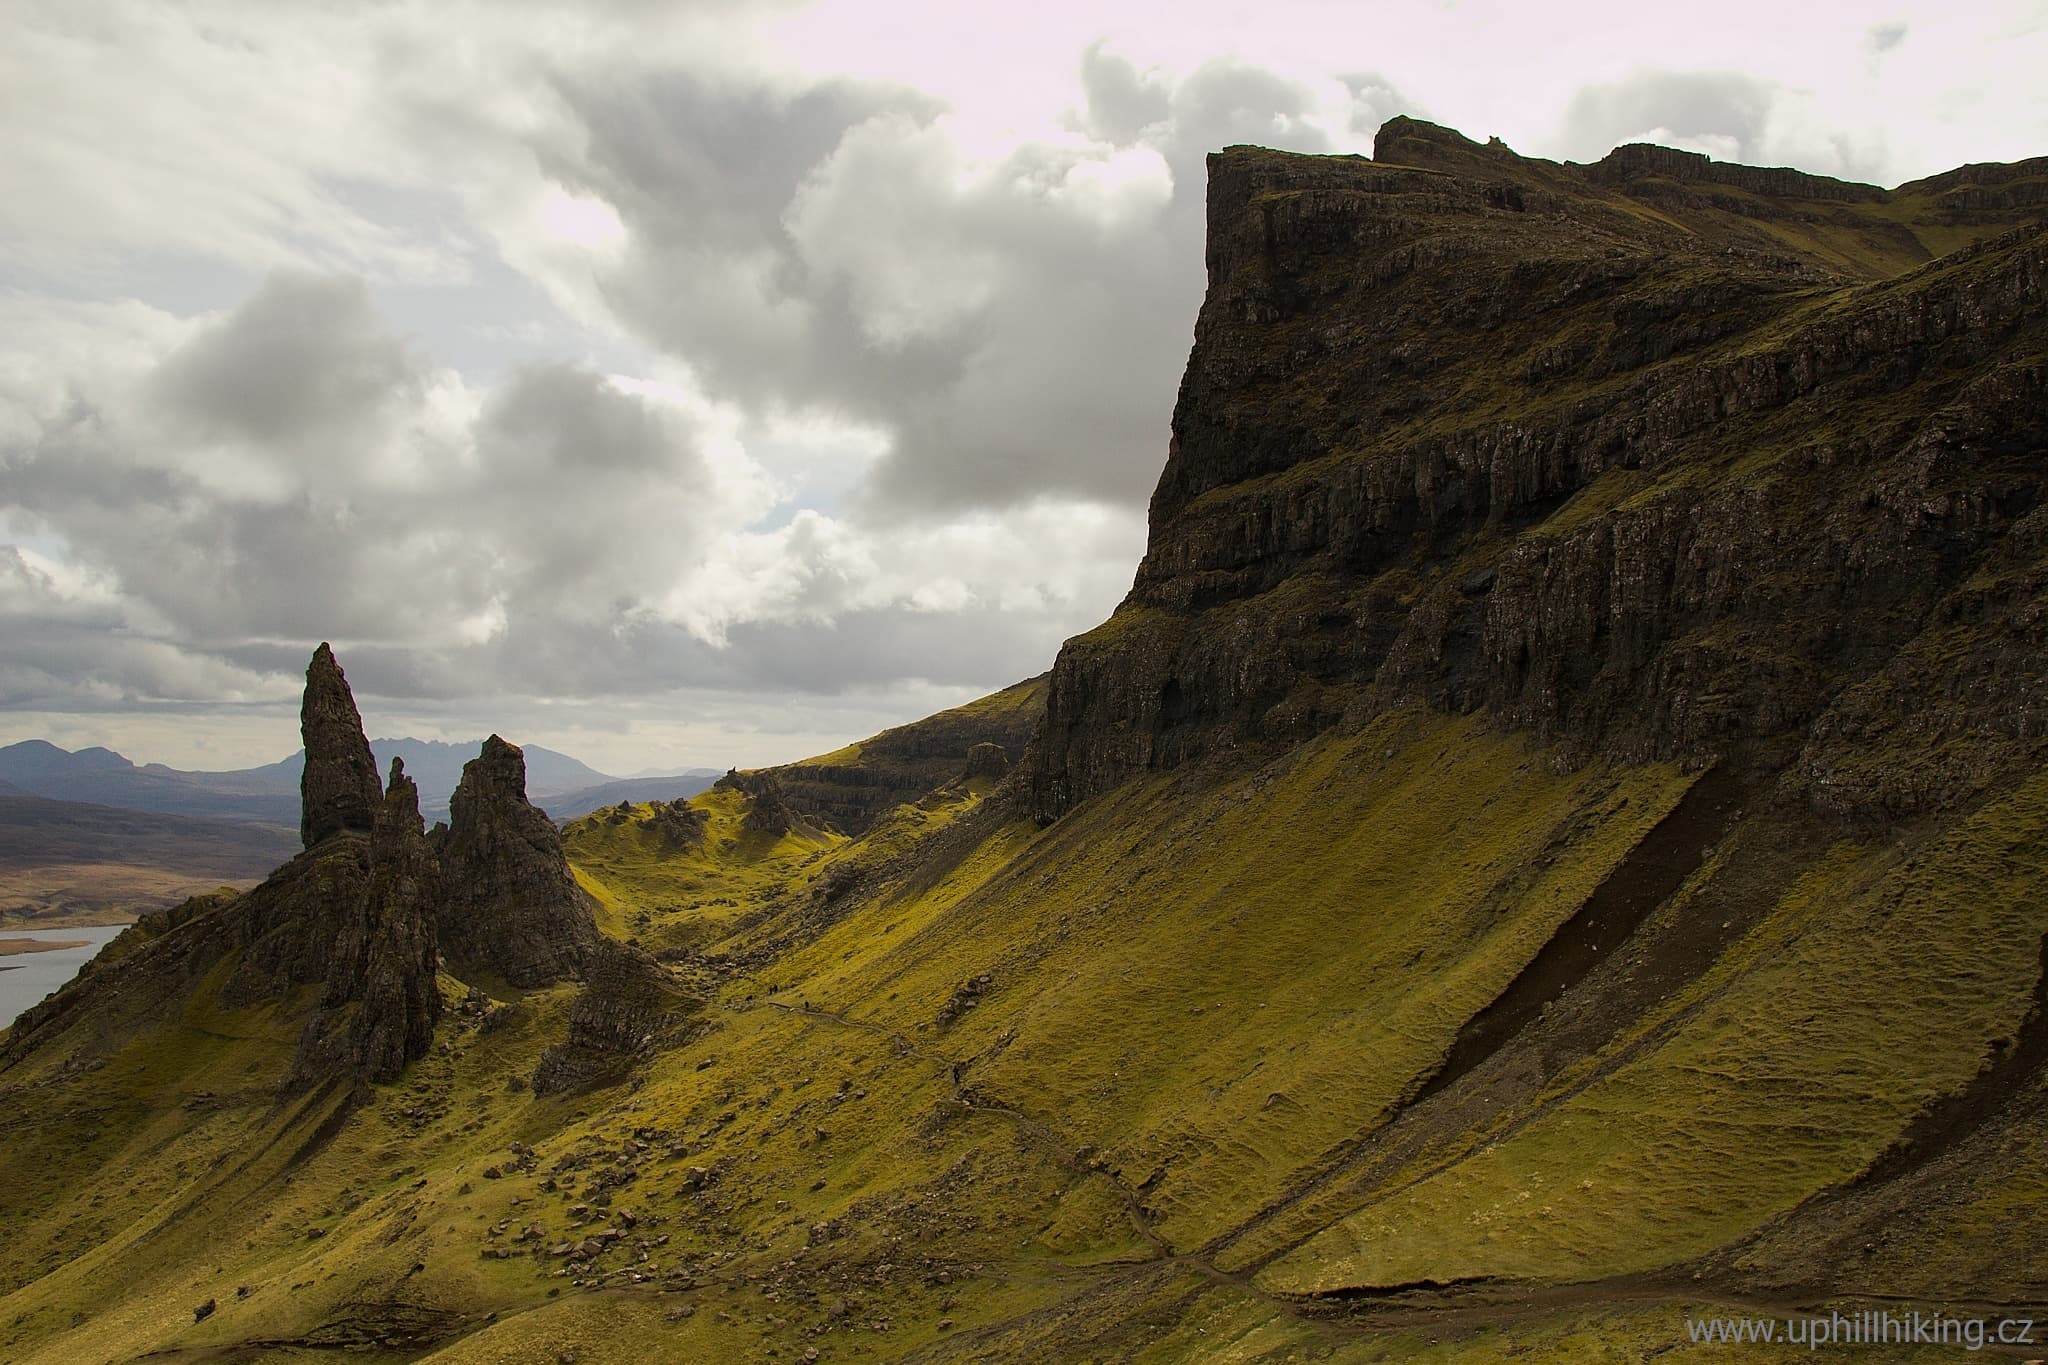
column 103, row 777
column 267, row 795
column 70, row 861
column 849, row 789
column 674, row 787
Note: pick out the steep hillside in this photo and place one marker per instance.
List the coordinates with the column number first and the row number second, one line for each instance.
column 1552, row 847
column 584, row 800
column 849, row 789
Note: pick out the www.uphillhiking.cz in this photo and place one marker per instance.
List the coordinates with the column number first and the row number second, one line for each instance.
column 1869, row 1327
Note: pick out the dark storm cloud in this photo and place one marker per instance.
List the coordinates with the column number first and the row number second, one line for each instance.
column 1724, row 106
column 1725, row 114
column 422, row 524
column 1122, row 101
column 294, row 468
column 560, row 417
column 702, row 170
column 304, row 353
column 68, row 646
column 1016, row 329
column 867, row 648
column 1226, row 102
column 1374, row 100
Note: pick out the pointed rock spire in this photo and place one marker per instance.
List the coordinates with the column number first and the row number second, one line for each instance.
column 381, row 1001
column 338, row 789
column 400, row 999
column 509, row 906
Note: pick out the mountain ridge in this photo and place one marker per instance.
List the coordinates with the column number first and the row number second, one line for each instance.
column 268, row 793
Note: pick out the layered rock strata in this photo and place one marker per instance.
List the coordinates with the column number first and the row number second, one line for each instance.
column 629, row 1008
column 1593, row 451
column 380, row 1002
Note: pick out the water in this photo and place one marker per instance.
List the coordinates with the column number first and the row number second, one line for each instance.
column 25, row 978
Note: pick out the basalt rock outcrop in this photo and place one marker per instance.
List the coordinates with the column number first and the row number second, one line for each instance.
column 988, row 761
column 629, row 1008
column 363, row 916
column 850, row 790
column 681, row 825
column 338, row 788
column 380, row 1001
column 768, row 813
column 1659, row 458
column 349, row 916
column 509, row 906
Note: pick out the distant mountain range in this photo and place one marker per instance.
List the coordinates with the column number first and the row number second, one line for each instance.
column 269, row 795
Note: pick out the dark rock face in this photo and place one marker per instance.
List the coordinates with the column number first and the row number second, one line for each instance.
column 338, row 789
column 400, row 1001
column 681, row 825
column 629, row 1009
column 380, row 1002
column 508, row 905
column 991, row 761
column 364, row 914
column 767, row 812
column 1480, row 432
column 300, row 927
column 351, row 915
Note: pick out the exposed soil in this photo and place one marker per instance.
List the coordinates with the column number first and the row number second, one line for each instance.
column 1672, row 851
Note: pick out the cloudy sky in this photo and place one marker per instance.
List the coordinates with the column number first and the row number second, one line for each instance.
column 713, row 382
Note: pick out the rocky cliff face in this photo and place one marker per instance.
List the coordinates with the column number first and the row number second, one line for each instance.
column 379, row 1003
column 509, row 905
column 338, row 788
column 1633, row 455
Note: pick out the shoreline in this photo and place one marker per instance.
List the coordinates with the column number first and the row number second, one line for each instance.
column 10, row 947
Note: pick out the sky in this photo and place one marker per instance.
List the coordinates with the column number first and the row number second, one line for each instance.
column 695, row 384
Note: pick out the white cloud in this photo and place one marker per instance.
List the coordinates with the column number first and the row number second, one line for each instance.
column 831, row 346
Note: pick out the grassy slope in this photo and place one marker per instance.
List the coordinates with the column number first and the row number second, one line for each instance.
column 1188, row 980
column 665, row 891
column 1877, row 981
column 1201, row 991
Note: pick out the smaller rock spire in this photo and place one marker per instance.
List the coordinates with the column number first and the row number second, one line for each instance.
column 509, row 905
column 338, row 789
